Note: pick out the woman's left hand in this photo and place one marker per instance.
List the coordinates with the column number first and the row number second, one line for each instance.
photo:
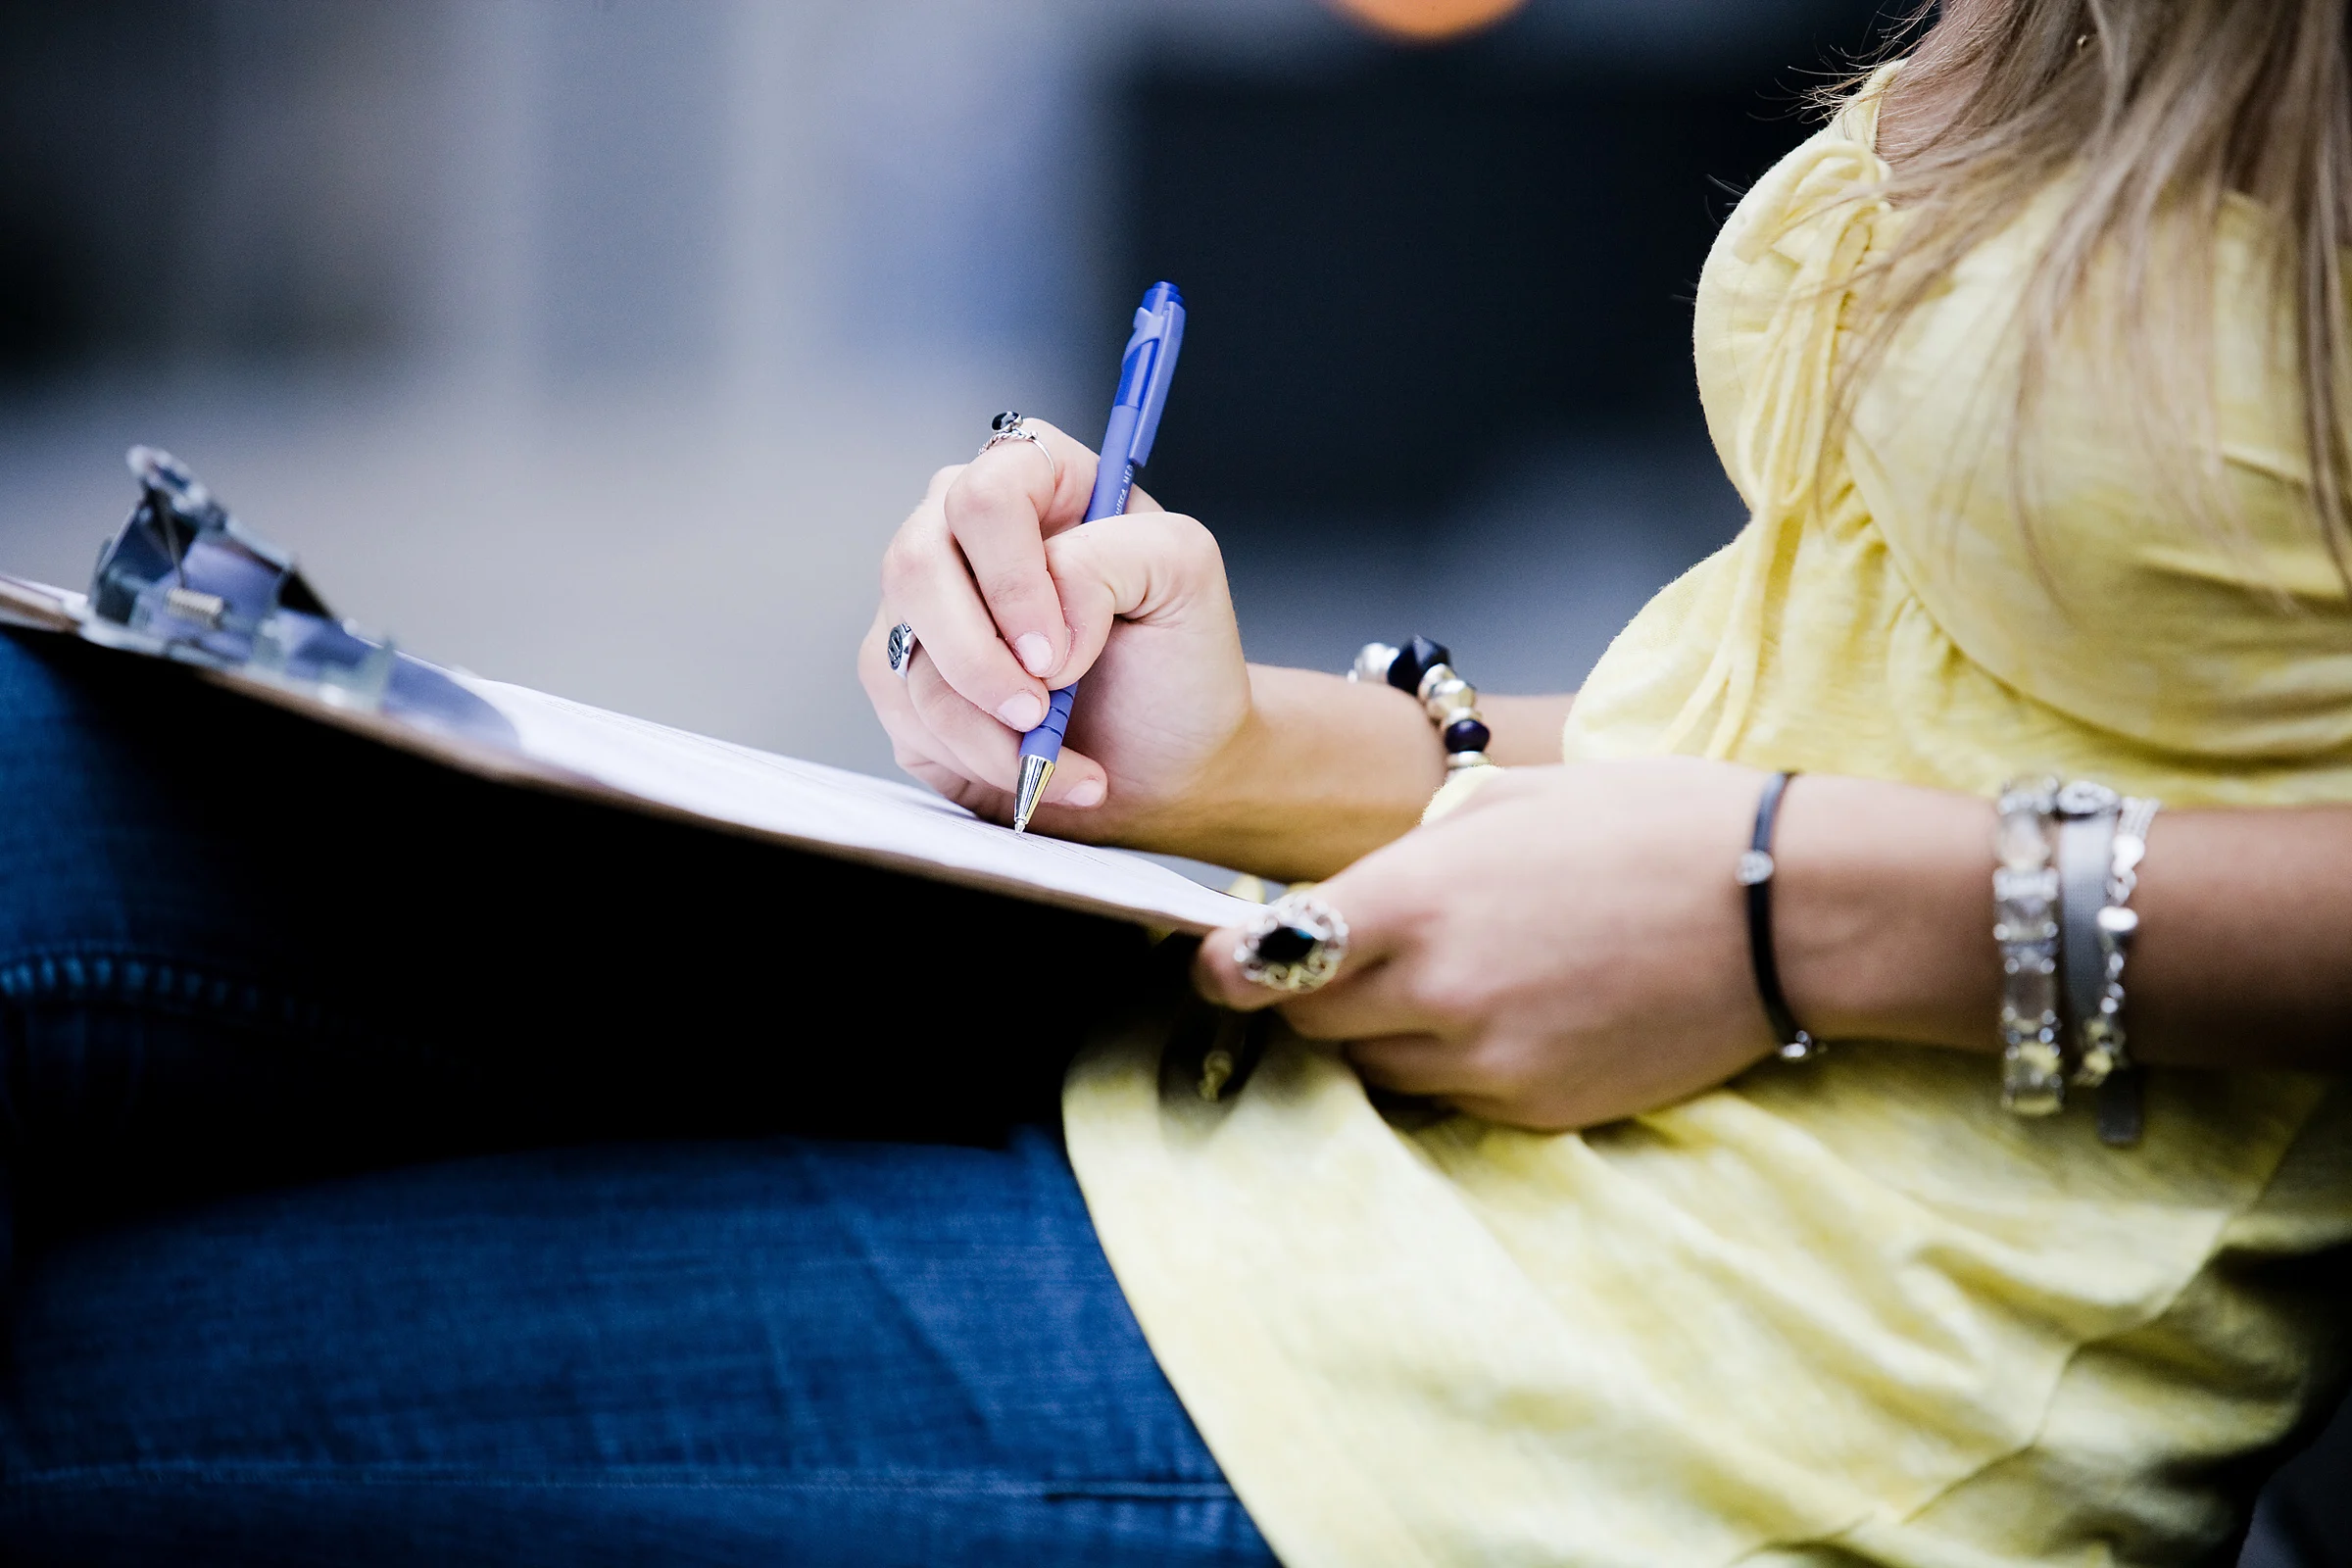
column 1567, row 948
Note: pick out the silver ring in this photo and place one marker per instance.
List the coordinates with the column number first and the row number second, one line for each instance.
column 901, row 649
column 1013, row 425
column 1296, row 944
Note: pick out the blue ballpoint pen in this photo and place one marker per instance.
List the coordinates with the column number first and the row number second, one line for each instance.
column 1145, row 371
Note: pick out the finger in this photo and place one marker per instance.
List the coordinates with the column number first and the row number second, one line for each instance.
column 1417, row 1063
column 926, row 583
column 1073, row 468
column 973, row 796
column 913, row 746
column 1137, row 567
column 1000, row 509
column 1378, row 1000
column 920, row 754
column 1217, row 966
column 1379, row 897
column 997, row 512
column 985, row 750
column 894, row 706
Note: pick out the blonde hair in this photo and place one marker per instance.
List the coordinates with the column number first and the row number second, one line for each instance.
column 2157, row 109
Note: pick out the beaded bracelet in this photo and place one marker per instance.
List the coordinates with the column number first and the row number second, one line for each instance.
column 2065, row 932
column 1421, row 668
column 2025, row 902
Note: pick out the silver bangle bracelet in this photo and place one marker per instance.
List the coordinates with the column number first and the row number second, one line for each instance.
column 2085, row 855
column 2101, row 1050
column 2065, row 930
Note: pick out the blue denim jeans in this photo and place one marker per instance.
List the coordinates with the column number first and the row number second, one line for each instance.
column 403, row 1169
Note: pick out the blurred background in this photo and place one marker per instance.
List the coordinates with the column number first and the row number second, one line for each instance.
column 600, row 344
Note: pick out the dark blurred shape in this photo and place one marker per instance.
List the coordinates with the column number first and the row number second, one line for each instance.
column 1406, row 265
column 233, row 179
column 103, row 109
column 2304, row 1519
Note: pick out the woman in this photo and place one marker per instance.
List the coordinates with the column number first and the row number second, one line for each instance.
column 1845, row 1308
column 2031, row 366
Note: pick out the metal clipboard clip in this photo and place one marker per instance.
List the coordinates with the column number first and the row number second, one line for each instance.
column 185, row 580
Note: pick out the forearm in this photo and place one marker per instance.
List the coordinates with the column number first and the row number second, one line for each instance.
column 1527, row 729
column 1327, row 770
column 1882, row 917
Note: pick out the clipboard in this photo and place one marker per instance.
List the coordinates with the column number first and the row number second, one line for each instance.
column 184, row 581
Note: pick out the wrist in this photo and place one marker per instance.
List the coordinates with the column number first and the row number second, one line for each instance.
column 1527, row 729
column 1882, row 913
column 1318, row 773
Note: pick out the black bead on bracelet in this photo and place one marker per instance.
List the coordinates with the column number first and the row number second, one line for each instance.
column 1755, row 874
column 1425, row 670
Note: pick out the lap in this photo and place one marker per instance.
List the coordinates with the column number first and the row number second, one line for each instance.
column 238, row 947
column 403, row 1169
column 721, row 1351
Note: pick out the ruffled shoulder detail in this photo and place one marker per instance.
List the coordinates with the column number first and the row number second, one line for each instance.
column 1769, row 305
column 1836, row 165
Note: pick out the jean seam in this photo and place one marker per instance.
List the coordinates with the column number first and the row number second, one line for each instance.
column 141, row 977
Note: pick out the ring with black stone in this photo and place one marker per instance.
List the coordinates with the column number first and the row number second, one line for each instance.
column 1296, row 945
column 901, row 649
column 1013, row 425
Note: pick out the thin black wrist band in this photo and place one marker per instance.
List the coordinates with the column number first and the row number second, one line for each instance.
column 1755, row 874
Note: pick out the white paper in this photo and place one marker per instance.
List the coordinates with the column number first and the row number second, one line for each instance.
column 824, row 809
column 818, row 806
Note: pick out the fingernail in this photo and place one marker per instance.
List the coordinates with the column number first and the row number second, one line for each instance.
column 1021, row 711
column 1037, row 654
column 1085, row 792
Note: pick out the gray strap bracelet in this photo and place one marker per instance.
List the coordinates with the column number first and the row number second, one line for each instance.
column 2086, row 851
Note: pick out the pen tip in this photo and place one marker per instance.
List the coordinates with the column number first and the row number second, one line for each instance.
column 1035, row 772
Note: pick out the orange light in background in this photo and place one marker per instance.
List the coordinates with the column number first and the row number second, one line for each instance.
column 1425, row 20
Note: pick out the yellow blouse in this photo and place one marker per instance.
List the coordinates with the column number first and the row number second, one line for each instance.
column 1847, row 1312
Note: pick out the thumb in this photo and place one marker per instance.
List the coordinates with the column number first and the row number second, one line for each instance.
column 1157, row 567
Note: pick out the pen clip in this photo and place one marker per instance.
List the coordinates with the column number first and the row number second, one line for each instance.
column 1158, row 333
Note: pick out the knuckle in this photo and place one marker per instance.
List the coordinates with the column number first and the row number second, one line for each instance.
column 935, row 701
column 1006, row 585
column 905, row 562
column 1446, row 992
column 990, row 487
column 1191, row 535
column 1496, row 1066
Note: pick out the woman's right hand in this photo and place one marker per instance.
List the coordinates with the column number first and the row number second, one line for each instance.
column 1012, row 595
